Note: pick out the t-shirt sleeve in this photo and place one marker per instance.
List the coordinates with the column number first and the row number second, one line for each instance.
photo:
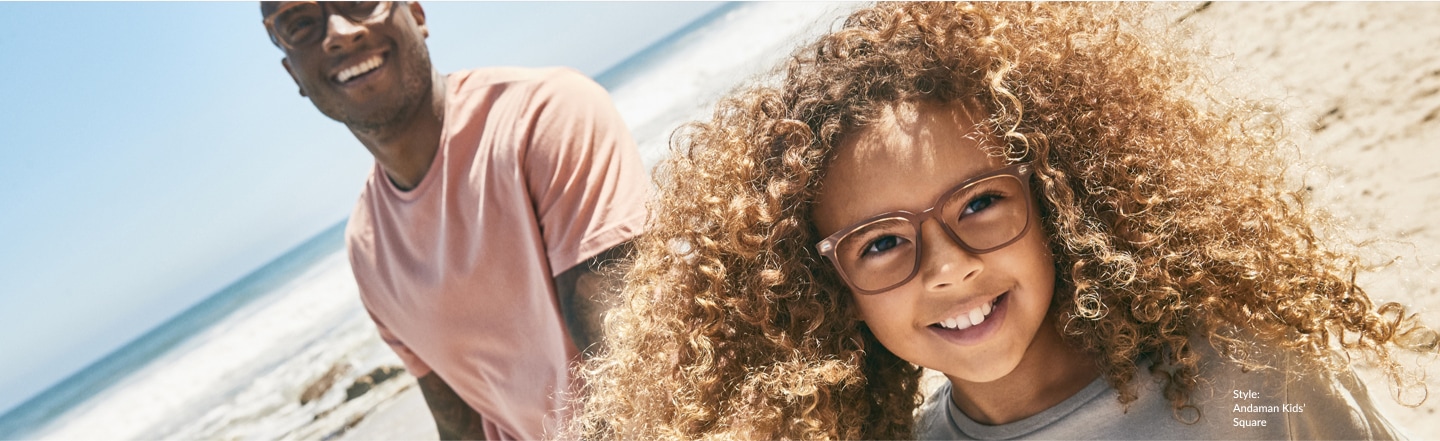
column 584, row 175
column 412, row 362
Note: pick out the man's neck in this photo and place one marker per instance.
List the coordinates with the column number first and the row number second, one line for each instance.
column 406, row 150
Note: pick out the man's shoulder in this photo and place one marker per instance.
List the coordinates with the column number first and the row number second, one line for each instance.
column 487, row 77
column 504, row 96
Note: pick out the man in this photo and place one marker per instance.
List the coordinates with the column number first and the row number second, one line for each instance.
column 496, row 194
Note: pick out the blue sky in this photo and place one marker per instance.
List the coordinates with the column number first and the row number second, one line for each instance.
column 152, row 153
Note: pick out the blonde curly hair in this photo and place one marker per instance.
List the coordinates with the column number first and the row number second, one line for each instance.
column 1168, row 213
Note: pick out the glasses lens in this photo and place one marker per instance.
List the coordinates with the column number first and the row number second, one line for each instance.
column 988, row 214
column 985, row 215
column 358, row 11
column 299, row 25
column 878, row 254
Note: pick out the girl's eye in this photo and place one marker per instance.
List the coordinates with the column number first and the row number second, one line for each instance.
column 980, row 203
column 880, row 245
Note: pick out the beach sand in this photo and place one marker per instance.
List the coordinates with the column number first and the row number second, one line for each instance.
column 404, row 416
column 1360, row 85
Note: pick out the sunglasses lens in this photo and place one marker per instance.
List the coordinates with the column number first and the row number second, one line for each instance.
column 304, row 23
column 879, row 254
column 988, row 214
column 358, row 11
column 300, row 25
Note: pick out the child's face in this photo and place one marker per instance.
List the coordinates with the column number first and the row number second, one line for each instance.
column 906, row 160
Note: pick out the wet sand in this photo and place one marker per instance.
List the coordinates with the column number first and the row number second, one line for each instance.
column 404, row 416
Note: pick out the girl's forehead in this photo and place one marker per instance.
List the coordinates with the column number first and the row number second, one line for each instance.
column 917, row 119
column 914, row 135
column 904, row 160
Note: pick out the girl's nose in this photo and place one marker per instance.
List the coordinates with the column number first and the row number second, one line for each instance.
column 943, row 264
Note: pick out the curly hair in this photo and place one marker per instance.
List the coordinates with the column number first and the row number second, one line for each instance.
column 1167, row 209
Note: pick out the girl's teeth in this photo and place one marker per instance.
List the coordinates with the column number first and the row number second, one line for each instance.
column 974, row 317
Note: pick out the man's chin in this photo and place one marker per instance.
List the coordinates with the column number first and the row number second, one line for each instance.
column 374, row 122
column 362, row 115
column 373, row 111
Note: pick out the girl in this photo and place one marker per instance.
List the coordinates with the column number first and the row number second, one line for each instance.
column 1042, row 202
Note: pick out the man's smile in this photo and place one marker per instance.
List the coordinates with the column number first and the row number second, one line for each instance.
column 366, row 65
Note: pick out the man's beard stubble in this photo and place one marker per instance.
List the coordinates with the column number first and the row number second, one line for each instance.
column 417, row 83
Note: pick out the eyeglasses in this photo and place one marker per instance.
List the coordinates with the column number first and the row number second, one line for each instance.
column 303, row 23
column 982, row 214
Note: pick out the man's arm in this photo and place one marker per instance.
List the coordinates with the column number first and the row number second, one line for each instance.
column 582, row 292
column 453, row 418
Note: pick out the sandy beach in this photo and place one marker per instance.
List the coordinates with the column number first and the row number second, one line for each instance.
column 1359, row 84
column 403, row 416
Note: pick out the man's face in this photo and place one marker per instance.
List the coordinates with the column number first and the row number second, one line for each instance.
column 363, row 64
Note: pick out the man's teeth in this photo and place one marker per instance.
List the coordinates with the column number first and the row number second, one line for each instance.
column 359, row 69
column 970, row 318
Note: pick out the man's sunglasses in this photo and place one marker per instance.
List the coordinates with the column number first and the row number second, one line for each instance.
column 300, row 24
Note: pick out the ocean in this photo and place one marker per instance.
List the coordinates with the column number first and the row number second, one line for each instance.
column 265, row 358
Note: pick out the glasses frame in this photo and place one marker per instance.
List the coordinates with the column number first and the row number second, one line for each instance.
column 382, row 10
column 1021, row 171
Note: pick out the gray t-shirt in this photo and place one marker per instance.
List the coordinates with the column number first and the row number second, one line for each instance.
column 1268, row 403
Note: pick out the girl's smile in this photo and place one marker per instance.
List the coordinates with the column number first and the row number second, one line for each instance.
column 973, row 326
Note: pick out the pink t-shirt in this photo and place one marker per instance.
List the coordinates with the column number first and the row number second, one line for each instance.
column 536, row 173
